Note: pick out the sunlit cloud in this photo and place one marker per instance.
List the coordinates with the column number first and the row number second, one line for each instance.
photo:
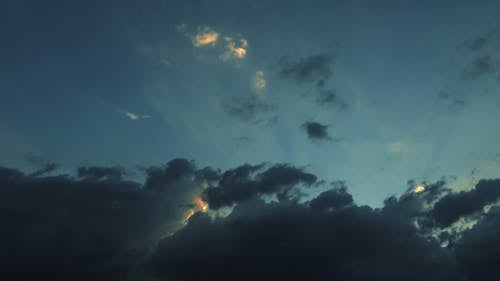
column 205, row 37
column 235, row 51
column 419, row 188
column 198, row 203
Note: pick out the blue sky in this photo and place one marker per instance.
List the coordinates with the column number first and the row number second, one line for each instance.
column 414, row 87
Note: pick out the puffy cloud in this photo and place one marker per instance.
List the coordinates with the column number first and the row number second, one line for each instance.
column 99, row 226
column 96, row 226
column 248, row 181
column 233, row 50
column 289, row 241
column 331, row 199
column 101, row 173
column 205, row 36
column 316, row 131
column 456, row 205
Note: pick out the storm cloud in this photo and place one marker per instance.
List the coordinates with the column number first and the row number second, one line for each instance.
column 96, row 226
column 99, row 226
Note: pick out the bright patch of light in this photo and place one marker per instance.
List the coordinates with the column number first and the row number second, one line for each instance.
column 419, row 188
column 201, row 204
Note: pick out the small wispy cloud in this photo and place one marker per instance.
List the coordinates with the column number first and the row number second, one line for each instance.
column 134, row 116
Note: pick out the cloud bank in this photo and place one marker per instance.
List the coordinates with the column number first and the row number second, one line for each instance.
column 98, row 226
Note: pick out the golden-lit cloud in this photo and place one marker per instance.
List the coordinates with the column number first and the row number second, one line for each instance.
column 205, row 37
column 259, row 81
column 419, row 188
column 235, row 51
column 200, row 205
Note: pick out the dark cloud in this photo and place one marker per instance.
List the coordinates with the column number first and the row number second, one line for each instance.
column 47, row 168
column 98, row 226
column 248, row 109
column 288, row 241
column 43, row 165
column 456, row 205
column 247, row 181
column 332, row 199
column 315, row 68
column 316, row 131
column 160, row 177
column 478, row 251
column 330, row 98
column 101, row 173
column 481, row 66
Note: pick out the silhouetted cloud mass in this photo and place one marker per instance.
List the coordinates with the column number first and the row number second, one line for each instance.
column 247, row 181
column 98, row 226
column 456, row 205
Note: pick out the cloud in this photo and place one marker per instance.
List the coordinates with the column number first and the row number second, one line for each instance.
column 248, row 181
column 233, row 50
column 483, row 41
column 315, row 68
column 43, row 165
column 101, row 173
column 453, row 101
column 332, row 199
column 135, row 116
column 481, row 66
column 258, row 81
column 330, row 98
column 290, row 241
column 316, row 131
column 247, row 109
column 456, row 205
column 98, row 226
column 205, row 36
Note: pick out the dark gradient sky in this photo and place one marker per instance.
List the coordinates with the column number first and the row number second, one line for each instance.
column 329, row 111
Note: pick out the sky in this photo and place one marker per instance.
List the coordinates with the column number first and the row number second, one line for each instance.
column 381, row 112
